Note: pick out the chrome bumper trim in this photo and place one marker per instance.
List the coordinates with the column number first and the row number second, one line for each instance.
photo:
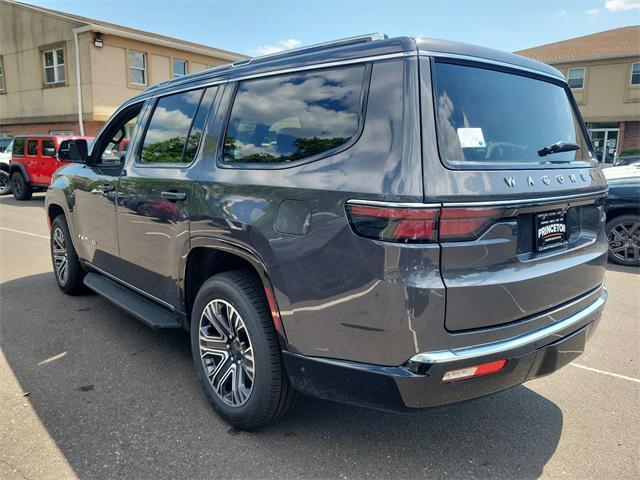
column 465, row 353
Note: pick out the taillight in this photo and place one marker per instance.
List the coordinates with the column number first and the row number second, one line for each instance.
column 419, row 224
column 466, row 223
column 394, row 224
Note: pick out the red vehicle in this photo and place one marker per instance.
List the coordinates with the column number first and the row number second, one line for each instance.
column 33, row 162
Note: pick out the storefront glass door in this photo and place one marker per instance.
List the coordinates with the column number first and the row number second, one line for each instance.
column 605, row 144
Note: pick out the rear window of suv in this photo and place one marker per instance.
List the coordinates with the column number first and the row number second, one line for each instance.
column 493, row 118
column 287, row 118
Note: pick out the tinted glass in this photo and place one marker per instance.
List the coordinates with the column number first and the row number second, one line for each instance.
column 18, row 146
column 32, row 147
column 198, row 125
column 290, row 117
column 47, row 144
column 166, row 136
column 489, row 116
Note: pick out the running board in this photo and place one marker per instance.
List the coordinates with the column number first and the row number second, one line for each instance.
column 134, row 304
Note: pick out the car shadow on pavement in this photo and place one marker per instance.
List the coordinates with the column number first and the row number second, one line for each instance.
column 121, row 400
column 36, row 200
column 622, row 268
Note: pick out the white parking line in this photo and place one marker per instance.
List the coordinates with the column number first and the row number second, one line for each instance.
column 24, row 233
column 616, row 375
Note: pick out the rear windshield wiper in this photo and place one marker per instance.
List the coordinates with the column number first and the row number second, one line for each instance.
column 558, row 147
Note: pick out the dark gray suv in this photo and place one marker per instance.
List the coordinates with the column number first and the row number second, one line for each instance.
column 394, row 223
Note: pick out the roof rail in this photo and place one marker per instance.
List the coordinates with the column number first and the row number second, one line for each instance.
column 370, row 37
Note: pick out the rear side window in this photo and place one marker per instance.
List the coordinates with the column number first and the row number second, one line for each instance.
column 291, row 117
column 47, row 144
column 18, row 146
column 32, row 147
column 175, row 128
column 492, row 117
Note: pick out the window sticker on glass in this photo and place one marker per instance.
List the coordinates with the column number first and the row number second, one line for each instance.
column 471, row 138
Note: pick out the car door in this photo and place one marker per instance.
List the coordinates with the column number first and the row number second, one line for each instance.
column 32, row 160
column 154, row 192
column 49, row 162
column 94, row 208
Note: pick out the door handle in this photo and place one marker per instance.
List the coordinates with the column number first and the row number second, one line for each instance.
column 170, row 195
column 102, row 189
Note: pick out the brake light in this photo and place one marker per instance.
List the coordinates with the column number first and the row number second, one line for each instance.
column 465, row 223
column 475, row 371
column 395, row 224
column 419, row 224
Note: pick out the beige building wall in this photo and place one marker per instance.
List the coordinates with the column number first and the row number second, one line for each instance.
column 607, row 95
column 22, row 38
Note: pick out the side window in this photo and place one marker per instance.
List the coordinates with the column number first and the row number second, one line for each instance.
column 18, row 146
column 32, row 148
column 48, row 149
column 290, row 117
column 175, row 128
column 117, row 147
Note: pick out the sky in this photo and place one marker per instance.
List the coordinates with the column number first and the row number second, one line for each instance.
column 259, row 27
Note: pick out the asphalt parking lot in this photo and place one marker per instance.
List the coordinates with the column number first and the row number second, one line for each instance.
column 87, row 391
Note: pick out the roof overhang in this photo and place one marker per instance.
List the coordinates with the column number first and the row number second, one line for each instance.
column 209, row 52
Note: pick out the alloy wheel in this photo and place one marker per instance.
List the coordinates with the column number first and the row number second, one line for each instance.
column 624, row 240
column 226, row 352
column 4, row 181
column 60, row 257
column 18, row 187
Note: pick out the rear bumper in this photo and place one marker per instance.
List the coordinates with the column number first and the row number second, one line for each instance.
column 418, row 383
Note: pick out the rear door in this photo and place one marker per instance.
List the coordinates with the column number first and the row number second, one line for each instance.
column 33, row 161
column 155, row 193
column 521, row 228
column 49, row 160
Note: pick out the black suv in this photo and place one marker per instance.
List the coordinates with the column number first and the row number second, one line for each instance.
column 395, row 223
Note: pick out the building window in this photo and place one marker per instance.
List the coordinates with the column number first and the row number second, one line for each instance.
column 179, row 68
column 635, row 73
column 53, row 66
column 2, row 86
column 138, row 67
column 575, row 77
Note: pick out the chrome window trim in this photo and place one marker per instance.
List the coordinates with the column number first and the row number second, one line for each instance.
column 504, row 346
column 457, row 56
column 375, row 203
column 556, row 199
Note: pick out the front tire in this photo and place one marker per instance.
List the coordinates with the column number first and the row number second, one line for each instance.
column 20, row 187
column 5, row 183
column 236, row 353
column 66, row 265
column 623, row 235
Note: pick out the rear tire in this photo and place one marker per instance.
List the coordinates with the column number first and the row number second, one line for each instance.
column 20, row 187
column 246, row 359
column 66, row 265
column 5, row 183
column 623, row 235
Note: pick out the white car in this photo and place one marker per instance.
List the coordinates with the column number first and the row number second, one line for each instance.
column 5, row 158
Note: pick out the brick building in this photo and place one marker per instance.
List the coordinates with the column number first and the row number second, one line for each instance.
column 54, row 65
column 603, row 71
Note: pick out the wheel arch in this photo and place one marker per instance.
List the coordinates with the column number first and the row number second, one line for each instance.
column 18, row 167
column 622, row 210
column 208, row 257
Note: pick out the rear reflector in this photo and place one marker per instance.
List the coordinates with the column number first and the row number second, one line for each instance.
column 475, row 371
column 394, row 224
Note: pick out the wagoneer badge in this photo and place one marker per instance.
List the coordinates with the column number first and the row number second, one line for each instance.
column 546, row 180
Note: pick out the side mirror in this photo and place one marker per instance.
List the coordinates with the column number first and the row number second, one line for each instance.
column 49, row 152
column 75, row 151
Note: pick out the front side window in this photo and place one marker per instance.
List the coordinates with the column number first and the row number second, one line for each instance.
column 575, row 77
column 138, row 67
column 290, row 117
column 635, row 73
column 48, row 148
column 175, row 128
column 18, row 146
column 179, row 68
column 32, row 147
column 491, row 117
column 53, row 66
